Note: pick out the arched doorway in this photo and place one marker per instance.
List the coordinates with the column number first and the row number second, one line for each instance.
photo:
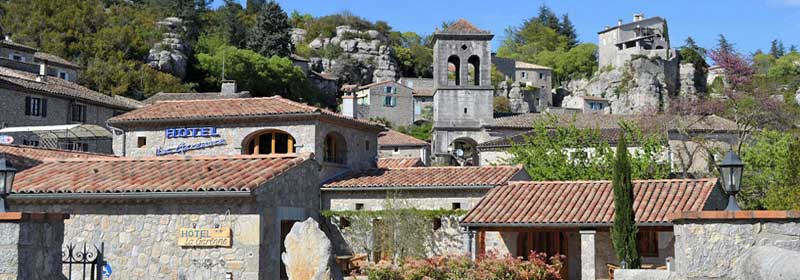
column 453, row 70
column 270, row 141
column 465, row 152
column 474, row 64
column 335, row 148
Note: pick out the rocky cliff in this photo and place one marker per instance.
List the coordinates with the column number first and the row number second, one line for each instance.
column 368, row 49
column 170, row 54
column 641, row 85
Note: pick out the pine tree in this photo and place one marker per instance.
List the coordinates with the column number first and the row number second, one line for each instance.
column 253, row 6
column 793, row 49
column 567, row 30
column 189, row 11
column 235, row 32
column 270, row 34
column 548, row 18
column 624, row 230
column 691, row 44
column 723, row 45
column 776, row 48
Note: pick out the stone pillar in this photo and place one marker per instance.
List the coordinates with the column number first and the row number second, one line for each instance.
column 587, row 254
column 30, row 245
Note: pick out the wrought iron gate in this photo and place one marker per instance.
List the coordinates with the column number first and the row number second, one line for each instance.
column 83, row 263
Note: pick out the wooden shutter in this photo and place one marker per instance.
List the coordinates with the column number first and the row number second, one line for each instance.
column 27, row 105
column 44, row 107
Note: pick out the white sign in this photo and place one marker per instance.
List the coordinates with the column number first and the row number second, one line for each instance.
column 5, row 139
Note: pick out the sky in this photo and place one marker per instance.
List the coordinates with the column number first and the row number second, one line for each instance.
column 749, row 24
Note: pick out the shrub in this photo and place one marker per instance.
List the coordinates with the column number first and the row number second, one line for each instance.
column 489, row 267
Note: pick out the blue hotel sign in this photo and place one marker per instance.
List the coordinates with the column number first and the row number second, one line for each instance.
column 189, row 132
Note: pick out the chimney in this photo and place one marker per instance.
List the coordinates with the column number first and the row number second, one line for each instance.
column 638, row 17
column 619, row 22
column 228, row 87
column 7, row 37
column 42, row 72
column 349, row 105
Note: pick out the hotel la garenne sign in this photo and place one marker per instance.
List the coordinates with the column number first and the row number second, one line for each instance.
column 204, row 237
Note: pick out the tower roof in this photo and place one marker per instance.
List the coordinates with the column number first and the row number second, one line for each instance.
column 462, row 26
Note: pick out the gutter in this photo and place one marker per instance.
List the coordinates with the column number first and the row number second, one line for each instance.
column 411, row 188
column 131, row 195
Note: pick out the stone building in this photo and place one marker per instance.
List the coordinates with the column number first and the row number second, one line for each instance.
column 526, row 74
column 422, row 90
column 428, row 188
column 587, row 104
column 644, row 36
column 521, row 217
column 388, row 100
column 242, row 126
column 463, row 93
column 39, row 91
column 228, row 90
column 178, row 217
column 393, row 144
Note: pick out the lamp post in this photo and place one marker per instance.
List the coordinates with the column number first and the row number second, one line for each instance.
column 7, row 173
column 730, row 171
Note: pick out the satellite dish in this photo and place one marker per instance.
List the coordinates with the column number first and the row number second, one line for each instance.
column 460, row 153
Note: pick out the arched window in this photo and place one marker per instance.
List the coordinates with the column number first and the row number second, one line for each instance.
column 335, row 148
column 269, row 142
column 474, row 70
column 453, row 70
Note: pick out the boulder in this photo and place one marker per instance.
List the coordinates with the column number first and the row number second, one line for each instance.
column 170, row 54
column 308, row 252
column 768, row 262
column 369, row 47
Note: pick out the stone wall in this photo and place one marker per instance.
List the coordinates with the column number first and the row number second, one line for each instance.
column 401, row 114
column 30, row 245
column 58, row 110
column 416, row 152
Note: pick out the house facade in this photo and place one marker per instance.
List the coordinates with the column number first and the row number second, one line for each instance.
column 387, row 100
column 643, row 36
column 246, row 126
column 422, row 91
column 587, row 104
column 393, row 144
column 39, row 91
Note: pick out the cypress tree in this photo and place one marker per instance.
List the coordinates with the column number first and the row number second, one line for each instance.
column 624, row 230
column 270, row 34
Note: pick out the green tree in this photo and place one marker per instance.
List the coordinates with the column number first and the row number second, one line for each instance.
column 723, row 45
column 235, row 29
column 767, row 160
column 579, row 62
column 624, row 230
column 785, row 195
column 501, row 104
column 548, row 18
column 253, row 6
column 567, row 29
column 270, row 34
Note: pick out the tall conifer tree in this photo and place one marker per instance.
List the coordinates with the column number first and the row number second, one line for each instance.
column 624, row 230
column 567, row 30
column 270, row 34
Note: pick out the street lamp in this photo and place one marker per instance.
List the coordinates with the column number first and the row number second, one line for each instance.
column 730, row 171
column 7, row 173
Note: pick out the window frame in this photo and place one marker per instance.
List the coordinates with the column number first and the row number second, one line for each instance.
column 253, row 144
column 35, row 106
column 64, row 73
column 77, row 112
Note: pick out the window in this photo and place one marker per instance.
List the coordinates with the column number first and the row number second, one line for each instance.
column 141, row 141
column 78, row 113
column 541, row 76
column 524, row 74
column 270, row 142
column 359, row 206
column 389, row 101
column 33, row 143
column 63, row 75
column 78, row 146
column 35, row 106
column 456, row 205
column 17, row 57
column 648, row 243
column 389, row 89
column 396, row 150
column 335, row 148
column 597, row 106
column 465, row 110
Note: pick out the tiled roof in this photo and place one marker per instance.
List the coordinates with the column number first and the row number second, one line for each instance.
column 53, row 58
column 426, row 92
column 475, row 176
column 463, row 26
column 405, row 162
column 604, row 121
column 56, row 86
column 608, row 135
column 164, row 96
column 227, row 108
column 594, row 98
column 16, row 45
column 524, row 65
column 24, row 157
column 396, row 138
column 164, row 174
column 586, row 202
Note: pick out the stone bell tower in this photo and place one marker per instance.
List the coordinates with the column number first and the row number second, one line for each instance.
column 462, row 103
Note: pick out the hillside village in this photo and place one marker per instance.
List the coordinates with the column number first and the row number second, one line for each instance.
column 355, row 151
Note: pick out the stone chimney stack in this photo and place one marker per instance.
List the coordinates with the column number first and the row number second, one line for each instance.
column 349, row 105
column 42, row 72
column 638, row 17
column 228, row 87
column 619, row 22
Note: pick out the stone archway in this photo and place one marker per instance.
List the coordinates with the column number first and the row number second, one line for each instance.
column 464, row 151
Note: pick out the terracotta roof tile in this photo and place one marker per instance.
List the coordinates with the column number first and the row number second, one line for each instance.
column 405, row 162
column 427, row 177
column 396, row 138
column 164, row 174
column 167, row 96
column 462, row 26
column 227, row 108
column 24, row 157
column 421, row 91
column 607, row 135
column 57, row 86
column 586, row 202
column 524, row 65
column 54, row 58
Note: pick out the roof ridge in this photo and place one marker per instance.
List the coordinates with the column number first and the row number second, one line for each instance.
column 460, row 167
column 599, row 181
column 58, row 150
column 189, row 158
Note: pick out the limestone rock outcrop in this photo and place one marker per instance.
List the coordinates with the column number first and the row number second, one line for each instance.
column 642, row 85
column 170, row 54
column 369, row 48
column 308, row 252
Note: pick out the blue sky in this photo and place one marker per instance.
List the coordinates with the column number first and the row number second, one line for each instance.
column 750, row 24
